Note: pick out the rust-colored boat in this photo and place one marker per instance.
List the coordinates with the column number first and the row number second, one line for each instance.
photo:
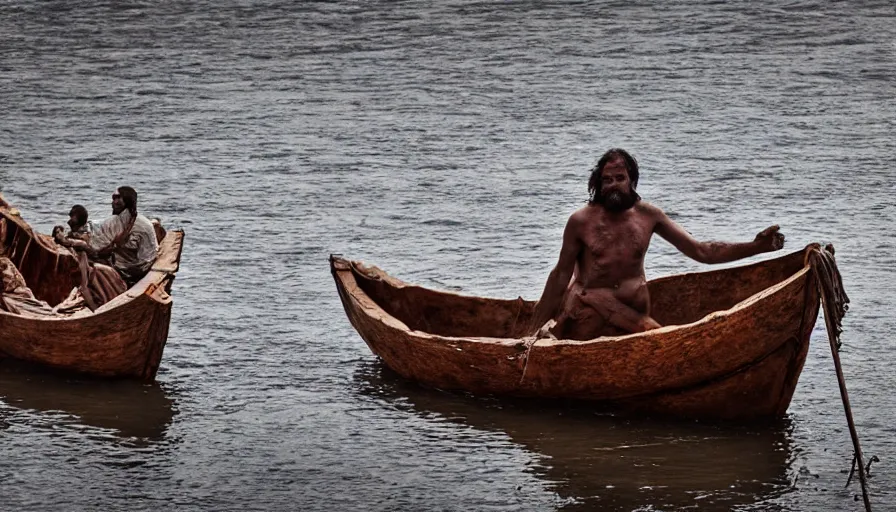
column 123, row 338
column 732, row 347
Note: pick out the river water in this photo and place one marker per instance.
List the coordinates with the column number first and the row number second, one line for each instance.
column 446, row 142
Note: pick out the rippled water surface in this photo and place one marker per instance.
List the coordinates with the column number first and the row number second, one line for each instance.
column 446, row 142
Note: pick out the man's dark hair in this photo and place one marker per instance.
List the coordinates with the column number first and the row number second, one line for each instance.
column 129, row 198
column 79, row 213
column 631, row 165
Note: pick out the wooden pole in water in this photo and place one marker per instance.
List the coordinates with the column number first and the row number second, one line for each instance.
column 832, row 337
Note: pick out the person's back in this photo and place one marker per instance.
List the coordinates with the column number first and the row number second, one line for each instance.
column 134, row 257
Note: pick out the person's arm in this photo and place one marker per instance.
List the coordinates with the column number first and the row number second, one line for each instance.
column 767, row 240
column 558, row 279
column 75, row 243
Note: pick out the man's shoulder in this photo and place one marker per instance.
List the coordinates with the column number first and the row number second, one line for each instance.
column 582, row 214
column 143, row 220
column 145, row 230
column 648, row 209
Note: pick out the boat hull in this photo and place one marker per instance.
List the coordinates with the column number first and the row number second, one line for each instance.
column 741, row 362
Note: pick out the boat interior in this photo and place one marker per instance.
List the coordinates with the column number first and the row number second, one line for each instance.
column 675, row 300
column 49, row 272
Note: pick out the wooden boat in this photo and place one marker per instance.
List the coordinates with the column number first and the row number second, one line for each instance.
column 733, row 343
column 123, row 338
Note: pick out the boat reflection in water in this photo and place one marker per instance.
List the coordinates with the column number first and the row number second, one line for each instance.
column 600, row 461
column 130, row 409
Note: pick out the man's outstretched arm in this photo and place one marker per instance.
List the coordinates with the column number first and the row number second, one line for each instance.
column 768, row 240
column 558, row 279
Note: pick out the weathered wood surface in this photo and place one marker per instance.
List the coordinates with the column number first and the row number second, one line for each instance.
column 733, row 344
column 123, row 338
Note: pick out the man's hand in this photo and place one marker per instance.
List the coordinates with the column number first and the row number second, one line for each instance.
column 770, row 239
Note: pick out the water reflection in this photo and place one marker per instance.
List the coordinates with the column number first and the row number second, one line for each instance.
column 599, row 461
column 130, row 409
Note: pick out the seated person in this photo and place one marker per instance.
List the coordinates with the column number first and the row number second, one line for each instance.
column 79, row 227
column 100, row 283
column 128, row 239
column 598, row 287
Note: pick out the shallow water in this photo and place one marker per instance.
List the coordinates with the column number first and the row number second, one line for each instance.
column 447, row 143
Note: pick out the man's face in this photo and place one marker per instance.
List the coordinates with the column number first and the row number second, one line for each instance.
column 615, row 186
column 117, row 203
column 73, row 223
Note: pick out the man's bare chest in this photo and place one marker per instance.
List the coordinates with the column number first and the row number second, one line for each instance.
column 618, row 238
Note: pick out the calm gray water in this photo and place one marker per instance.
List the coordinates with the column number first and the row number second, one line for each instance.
column 446, row 142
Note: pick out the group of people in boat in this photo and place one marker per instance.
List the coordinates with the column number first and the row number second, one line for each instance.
column 113, row 255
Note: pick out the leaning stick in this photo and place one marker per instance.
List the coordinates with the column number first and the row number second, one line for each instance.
column 827, row 277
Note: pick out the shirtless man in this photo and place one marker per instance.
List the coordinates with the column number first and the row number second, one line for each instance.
column 598, row 287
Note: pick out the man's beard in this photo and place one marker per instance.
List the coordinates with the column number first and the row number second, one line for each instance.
column 617, row 202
